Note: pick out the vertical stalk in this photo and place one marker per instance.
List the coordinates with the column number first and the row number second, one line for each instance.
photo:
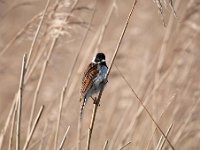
column 19, row 110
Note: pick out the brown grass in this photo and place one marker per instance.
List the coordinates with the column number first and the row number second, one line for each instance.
column 110, row 67
column 19, row 104
column 61, row 37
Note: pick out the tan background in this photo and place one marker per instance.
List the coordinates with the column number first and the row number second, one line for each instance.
column 137, row 59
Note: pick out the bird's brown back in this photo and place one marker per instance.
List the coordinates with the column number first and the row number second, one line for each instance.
column 90, row 73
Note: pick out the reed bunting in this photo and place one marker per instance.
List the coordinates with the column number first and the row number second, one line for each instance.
column 94, row 79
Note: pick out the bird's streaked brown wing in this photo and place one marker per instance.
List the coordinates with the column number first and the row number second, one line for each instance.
column 90, row 73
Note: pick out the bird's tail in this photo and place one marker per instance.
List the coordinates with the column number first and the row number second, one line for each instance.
column 82, row 106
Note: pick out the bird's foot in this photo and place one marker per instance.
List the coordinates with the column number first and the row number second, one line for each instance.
column 95, row 101
column 105, row 81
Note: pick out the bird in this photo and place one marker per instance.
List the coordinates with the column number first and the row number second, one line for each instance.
column 94, row 79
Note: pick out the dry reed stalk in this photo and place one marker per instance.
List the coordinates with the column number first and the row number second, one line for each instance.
column 3, row 131
column 81, row 47
column 19, row 33
column 54, row 41
column 146, row 100
column 32, row 67
column 42, row 50
column 88, row 51
column 160, row 8
column 147, row 71
column 37, row 33
column 105, row 147
column 120, row 124
column 73, row 66
column 59, row 116
column 64, row 138
column 11, row 42
column 109, row 117
column 80, row 69
column 12, row 128
column 38, row 87
column 161, row 80
column 110, row 67
column 143, row 78
column 141, row 102
column 110, row 10
column 41, row 74
column 69, row 77
column 162, row 140
column 33, row 128
column 167, row 73
column 30, row 55
column 159, row 142
column 172, row 7
column 19, row 106
column 165, row 42
column 133, row 122
column 39, row 142
column 82, row 43
column 99, row 41
column 191, row 9
column 174, row 63
column 65, row 86
column 73, row 145
column 125, row 145
column 162, row 114
column 78, row 144
column 158, row 84
column 22, row 31
column 172, row 114
column 186, row 121
column 163, row 49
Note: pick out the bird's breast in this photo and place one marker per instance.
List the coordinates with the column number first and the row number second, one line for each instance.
column 101, row 75
column 103, row 70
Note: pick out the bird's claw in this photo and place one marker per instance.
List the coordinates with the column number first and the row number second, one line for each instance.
column 105, row 81
column 95, row 101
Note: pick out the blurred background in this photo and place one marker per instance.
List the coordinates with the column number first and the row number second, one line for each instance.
column 158, row 56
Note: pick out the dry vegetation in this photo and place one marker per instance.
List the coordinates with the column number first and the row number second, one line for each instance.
column 151, row 100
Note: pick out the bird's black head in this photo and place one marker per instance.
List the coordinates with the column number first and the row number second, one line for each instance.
column 100, row 57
